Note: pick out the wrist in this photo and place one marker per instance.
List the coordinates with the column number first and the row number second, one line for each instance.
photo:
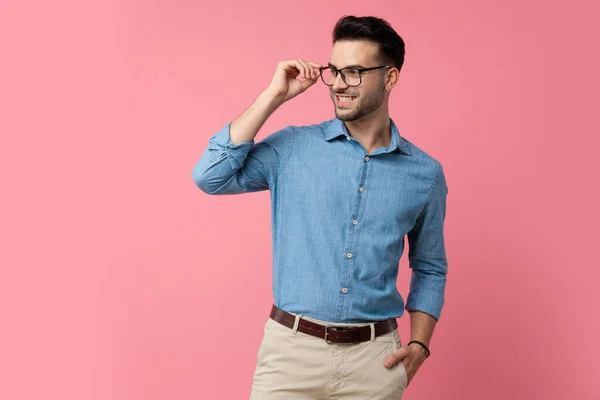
column 273, row 98
column 419, row 347
column 417, row 350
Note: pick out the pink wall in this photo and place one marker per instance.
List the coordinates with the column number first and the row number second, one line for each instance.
column 120, row 280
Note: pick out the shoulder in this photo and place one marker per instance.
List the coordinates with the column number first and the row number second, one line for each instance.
column 429, row 166
column 421, row 156
column 287, row 134
column 321, row 129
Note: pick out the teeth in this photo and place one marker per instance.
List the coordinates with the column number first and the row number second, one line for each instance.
column 346, row 98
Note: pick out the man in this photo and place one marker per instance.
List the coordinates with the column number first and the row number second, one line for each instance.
column 344, row 195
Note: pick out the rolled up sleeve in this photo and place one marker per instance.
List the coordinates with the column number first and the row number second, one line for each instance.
column 427, row 254
column 226, row 168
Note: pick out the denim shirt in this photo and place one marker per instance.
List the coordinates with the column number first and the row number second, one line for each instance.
column 340, row 217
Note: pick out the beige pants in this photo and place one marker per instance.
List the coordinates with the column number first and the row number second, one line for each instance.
column 293, row 365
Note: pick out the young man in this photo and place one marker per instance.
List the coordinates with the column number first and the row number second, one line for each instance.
column 344, row 195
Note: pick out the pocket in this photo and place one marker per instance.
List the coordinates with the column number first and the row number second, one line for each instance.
column 269, row 324
column 401, row 368
column 403, row 373
column 397, row 340
column 264, row 341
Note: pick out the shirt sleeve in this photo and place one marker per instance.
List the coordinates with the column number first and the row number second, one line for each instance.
column 427, row 254
column 225, row 168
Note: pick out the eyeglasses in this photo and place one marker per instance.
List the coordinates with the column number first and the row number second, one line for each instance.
column 351, row 76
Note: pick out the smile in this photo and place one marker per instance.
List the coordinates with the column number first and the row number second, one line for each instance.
column 344, row 100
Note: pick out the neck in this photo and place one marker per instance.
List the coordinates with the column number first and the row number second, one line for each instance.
column 372, row 131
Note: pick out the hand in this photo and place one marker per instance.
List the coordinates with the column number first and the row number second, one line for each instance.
column 292, row 78
column 411, row 356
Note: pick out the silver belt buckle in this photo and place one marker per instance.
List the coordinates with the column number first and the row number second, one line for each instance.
column 327, row 335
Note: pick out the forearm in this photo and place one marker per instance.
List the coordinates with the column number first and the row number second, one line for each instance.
column 245, row 127
column 421, row 326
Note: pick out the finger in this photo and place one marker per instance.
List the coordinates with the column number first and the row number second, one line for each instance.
column 309, row 70
column 312, row 70
column 318, row 71
column 303, row 69
column 308, row 83
column 395, row 357
column 315, row 67
column 290, row 68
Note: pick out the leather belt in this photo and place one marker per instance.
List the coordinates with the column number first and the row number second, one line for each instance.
column 334, row 334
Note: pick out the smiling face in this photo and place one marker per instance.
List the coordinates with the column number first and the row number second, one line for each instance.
column 353, row 103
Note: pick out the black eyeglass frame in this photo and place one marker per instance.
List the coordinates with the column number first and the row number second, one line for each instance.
column 341, row 71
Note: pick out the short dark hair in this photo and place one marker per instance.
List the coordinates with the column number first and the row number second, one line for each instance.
column 373, row 29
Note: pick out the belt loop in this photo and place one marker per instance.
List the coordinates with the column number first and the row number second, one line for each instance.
column 372, row 324
column 296, row 322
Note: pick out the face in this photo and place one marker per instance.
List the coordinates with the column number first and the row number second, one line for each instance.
column 353, row 103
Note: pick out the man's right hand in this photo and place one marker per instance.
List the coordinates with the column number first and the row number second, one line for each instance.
column 292, row 78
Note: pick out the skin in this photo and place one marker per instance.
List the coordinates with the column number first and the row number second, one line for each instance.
column 367, row 117
column 367, row 120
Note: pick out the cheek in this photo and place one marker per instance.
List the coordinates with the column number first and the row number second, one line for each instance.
column 364, row 96
column 360, row 94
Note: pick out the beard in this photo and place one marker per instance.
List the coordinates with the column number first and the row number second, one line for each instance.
column 364, row 105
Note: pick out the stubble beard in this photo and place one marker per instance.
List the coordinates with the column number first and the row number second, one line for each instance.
column 366, row 105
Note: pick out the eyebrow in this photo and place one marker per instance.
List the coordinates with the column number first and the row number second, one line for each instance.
column 348, row 66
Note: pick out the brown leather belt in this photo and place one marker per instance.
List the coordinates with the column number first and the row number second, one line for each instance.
column 334, row 334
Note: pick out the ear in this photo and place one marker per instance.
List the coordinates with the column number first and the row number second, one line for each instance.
column 392, row 79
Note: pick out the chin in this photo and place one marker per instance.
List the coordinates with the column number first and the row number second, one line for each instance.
column 346, row 116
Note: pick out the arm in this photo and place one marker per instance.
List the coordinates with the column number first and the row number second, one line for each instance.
column 245, row 127
column 232, row 163
column 427, row 258
column 421, row 329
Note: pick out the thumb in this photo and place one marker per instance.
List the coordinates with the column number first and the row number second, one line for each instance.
column 395, row 357
column 308, row 83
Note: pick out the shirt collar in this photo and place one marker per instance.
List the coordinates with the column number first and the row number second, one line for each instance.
column 337, row 128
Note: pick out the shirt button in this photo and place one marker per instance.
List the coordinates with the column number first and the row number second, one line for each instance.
column 355, row 222
column 367, row 158
column 344, row 290
column 349, row 255
column 348, row 137
column 362, row 189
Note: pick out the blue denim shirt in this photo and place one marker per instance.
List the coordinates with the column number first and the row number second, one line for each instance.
column 340, row 217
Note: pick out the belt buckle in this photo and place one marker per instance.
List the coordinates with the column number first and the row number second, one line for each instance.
column 338, row 329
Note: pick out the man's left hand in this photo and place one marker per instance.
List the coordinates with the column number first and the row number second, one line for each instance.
column 411, row 356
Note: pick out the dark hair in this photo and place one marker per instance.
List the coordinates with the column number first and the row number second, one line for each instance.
column 373, row 29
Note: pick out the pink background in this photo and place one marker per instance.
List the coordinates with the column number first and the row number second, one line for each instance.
column 120, row 280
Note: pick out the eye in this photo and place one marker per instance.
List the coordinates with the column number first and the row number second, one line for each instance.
column 352, row 73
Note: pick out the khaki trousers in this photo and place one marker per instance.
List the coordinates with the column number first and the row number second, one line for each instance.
column 293, row 365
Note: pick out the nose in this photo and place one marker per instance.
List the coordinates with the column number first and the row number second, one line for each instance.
column 339, row 84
